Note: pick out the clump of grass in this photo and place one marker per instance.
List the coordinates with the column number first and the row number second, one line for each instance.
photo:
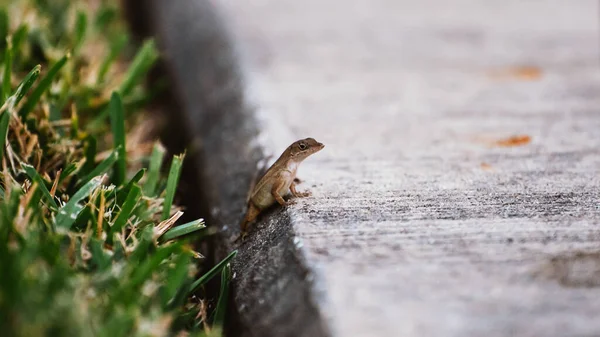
column 88, row 242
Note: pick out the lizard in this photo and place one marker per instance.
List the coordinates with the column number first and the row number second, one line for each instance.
column 279, row 181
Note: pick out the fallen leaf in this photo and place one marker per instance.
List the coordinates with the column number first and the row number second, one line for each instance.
column 527, row 72
column 518, row 140
column 486, row 166
column 524, row 72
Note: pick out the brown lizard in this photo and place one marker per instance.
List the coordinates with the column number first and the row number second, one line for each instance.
column 279, row 180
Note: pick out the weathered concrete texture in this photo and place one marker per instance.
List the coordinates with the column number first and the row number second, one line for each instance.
column 417, row 226
column 272, row 293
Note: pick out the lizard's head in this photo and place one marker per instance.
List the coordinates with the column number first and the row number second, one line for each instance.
column 303, row 148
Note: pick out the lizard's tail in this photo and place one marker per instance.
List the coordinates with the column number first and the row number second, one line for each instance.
column 251, row 214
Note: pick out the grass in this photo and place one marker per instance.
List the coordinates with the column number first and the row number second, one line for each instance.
column 172, row 181
column 89, row 238
column 117, row 121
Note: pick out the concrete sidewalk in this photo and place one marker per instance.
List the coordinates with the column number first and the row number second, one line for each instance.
column 422, row 221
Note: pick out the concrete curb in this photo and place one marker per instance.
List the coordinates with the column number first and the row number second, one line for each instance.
column 272, row 291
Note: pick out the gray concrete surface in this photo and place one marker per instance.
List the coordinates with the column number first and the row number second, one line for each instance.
column 418, row 226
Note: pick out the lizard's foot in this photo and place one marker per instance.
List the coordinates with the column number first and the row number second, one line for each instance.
column 302, row 194
column 241, row 236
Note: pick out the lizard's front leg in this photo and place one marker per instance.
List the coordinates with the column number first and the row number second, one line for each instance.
column 275, row 192
column 297, row 194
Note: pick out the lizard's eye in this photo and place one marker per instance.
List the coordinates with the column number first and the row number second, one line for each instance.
column 302, row 146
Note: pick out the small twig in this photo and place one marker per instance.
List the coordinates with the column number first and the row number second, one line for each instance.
column 55, row 183
column 100, row 215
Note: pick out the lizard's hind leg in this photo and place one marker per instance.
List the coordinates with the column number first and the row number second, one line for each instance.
column 251, row 215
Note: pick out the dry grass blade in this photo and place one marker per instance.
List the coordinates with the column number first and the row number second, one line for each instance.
column 165, row 225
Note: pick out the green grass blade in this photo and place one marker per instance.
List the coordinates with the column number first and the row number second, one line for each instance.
column 223, row 296
column 102, row 168
column 212, row 272
column 99, row 257
column 136, row 178
column 19, row 37
column 35, row 177
column 145, row 243
column 172, row 181
column 90, row 145
column 130, row 202
column 4, row 26
column 141, row 64
column 123, row 191
column 156, row 160
column 183, row 230
column 26, row 84
column 174, row 293
column 7, row 71
column 68, row 213
column 145, row 270
column 44, row 85
column 4, row 120
column 66, row 173
column 80, row 30
column 117, row 121
column 105, row 15
column 115, row 50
